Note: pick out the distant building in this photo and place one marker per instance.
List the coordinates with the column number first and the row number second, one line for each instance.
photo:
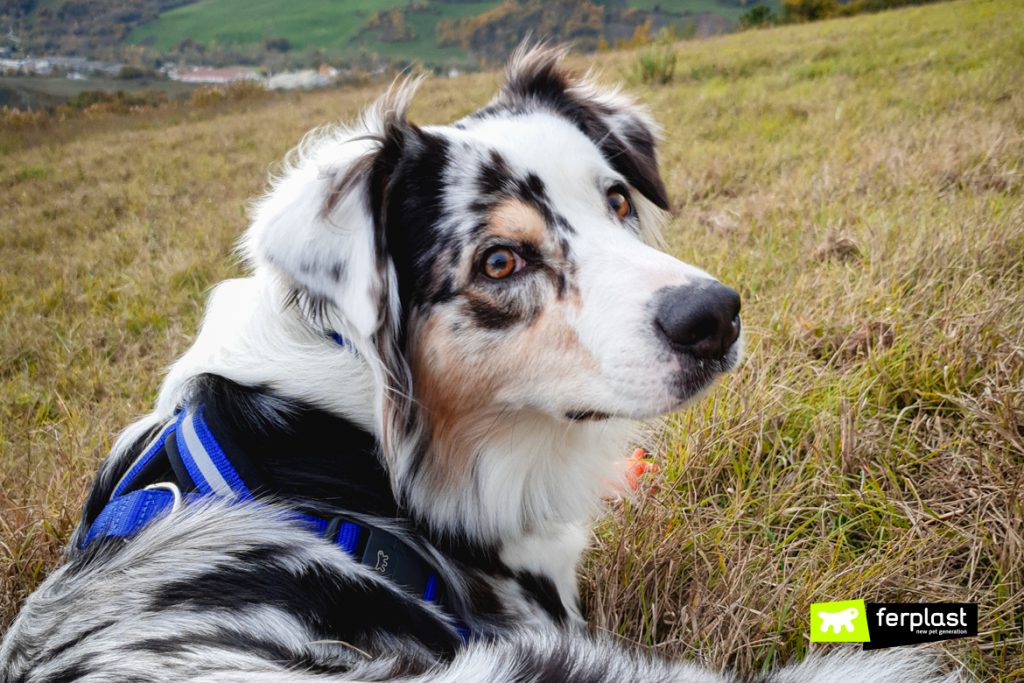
column 84, row 66
column 39, row 67
column 306, row 79
column 72, row 66
column 202, row 74
column 12, row 66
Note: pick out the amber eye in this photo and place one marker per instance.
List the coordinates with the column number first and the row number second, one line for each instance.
column 500, row 262
column 619, row 203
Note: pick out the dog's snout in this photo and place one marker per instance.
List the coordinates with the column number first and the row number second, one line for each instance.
column 701, row 320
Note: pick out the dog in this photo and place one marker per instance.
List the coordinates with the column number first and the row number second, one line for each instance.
column 380, row 458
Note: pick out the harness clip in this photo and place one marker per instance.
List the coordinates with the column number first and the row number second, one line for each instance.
column 168, row 486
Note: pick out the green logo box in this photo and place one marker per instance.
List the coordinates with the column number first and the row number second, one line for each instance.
column 845, row 621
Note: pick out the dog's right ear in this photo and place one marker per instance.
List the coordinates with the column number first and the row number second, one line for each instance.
column 623, row 130
column 319, row 227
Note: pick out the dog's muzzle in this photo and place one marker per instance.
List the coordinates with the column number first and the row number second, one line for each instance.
column 700, row 320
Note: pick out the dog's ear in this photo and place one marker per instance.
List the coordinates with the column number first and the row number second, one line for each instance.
column 623, row 131
column 319, row 227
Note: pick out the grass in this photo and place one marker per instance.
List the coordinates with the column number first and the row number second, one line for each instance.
column 860, row 180
column 334, row 26
column 37, row 92
column 308, row 24
column 730, row 10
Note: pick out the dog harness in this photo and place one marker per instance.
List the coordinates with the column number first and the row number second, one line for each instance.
column 203, row 468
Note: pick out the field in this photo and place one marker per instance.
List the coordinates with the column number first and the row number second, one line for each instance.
column 327, row 26
column 334, row 27
column 38, row 92
column 861, row 181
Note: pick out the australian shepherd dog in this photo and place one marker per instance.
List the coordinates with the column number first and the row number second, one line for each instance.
column 381, row 456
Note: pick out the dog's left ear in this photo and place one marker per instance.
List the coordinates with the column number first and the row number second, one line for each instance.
column 623, row 131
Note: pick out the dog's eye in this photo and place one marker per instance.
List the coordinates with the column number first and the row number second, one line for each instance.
column 500, row 262
column 619, row 203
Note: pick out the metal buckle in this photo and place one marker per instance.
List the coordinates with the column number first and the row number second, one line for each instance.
column 168, row 486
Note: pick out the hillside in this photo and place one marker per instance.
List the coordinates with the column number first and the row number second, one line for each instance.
column 307, row 24
column 303, row 31
column 346, row 28
column 861, row 181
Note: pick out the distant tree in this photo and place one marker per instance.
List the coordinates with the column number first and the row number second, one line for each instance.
column 130, row 72
column 496, row 32
column 759, row 15
column 74, row 11
column 188, row 45
column 391, row 25
column 641, row 36
column 278, row 44
column 809, row 10
column 17, row 6
column 689, row 30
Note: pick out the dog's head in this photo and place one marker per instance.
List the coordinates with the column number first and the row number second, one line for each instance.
column 506, row 263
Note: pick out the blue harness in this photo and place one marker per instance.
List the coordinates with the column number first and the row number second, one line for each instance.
column 191, row 448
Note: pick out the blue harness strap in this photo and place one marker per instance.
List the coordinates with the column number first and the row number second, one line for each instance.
column 155, row 446
column 125, row 515
column 213, row 475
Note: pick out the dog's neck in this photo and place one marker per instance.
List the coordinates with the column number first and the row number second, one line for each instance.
column 531, row 485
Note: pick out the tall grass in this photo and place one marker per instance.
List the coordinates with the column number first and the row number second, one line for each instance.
column 860, row 180
column 657, row 64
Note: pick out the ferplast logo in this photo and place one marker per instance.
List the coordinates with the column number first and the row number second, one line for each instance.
column 880, row 625
column 895, row 623
column 839, row 622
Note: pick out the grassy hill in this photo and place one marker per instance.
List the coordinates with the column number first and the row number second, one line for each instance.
column 861, row 181
column 335, row 28
column 307, row 24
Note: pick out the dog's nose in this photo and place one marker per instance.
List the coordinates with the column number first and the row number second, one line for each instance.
column 701, row 320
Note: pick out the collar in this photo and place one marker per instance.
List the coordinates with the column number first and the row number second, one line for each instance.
column 200, row 466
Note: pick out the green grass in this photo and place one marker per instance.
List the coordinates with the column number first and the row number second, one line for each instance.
column 425, row 47
column 329, row 26
column 860, row 180
column 306, row 23
column 334, row 26
column 730, row 11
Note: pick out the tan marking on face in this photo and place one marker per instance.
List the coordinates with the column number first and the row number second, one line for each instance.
column 458, row 373
column 518, row 221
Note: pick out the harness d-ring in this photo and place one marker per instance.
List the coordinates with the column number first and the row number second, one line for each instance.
column 168, row 486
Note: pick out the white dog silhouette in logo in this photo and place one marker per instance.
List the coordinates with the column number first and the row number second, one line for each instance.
column 838, row 620
column 382, row 562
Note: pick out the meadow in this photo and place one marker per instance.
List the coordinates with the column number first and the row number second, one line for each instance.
column 40, row 92
column 335, row 27
column 328, row 26
column 860, row 181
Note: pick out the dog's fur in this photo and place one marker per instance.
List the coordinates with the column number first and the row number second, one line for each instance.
column 480, row 419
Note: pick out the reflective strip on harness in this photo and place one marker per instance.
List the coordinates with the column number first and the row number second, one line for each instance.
column 209, row 467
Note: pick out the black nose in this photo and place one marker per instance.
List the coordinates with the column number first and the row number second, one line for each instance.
column 702, row 320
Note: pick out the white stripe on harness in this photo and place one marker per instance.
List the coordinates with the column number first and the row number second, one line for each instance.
column 197, row 453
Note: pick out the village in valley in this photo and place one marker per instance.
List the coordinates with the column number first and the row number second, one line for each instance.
column 84, row 69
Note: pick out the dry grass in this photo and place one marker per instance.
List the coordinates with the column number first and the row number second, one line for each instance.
column 862, row 182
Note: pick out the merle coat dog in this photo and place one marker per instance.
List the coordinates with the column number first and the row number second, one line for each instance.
column 380, row 458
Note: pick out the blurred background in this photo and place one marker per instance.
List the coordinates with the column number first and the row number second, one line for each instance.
column 164, row 48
